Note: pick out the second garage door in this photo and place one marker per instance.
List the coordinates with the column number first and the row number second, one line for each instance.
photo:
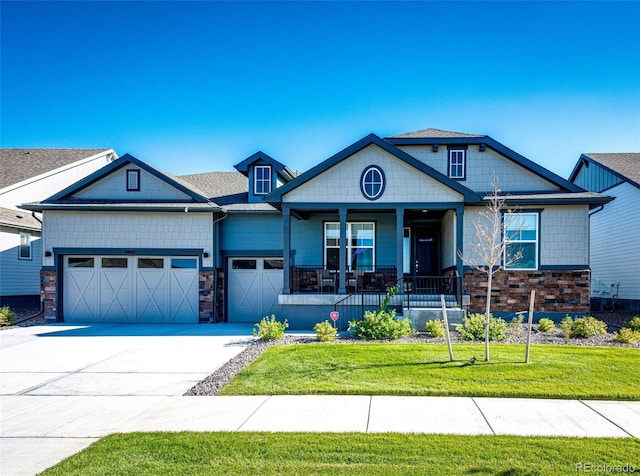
column 130, row 289
column 254, row 285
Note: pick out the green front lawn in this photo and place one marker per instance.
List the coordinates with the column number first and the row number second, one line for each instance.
column 346, row 453
column 424, row 369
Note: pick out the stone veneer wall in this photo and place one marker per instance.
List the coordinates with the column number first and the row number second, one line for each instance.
column 206, row 295
column 556, row 291
column 48, row 291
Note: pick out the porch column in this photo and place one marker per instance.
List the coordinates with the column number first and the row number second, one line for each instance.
column 342, row 281
column 399, row 244
column 286, row 250
column 459, row 238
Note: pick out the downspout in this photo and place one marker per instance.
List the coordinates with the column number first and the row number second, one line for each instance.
column 216, row 257
column 597, row 210
column 31, row 316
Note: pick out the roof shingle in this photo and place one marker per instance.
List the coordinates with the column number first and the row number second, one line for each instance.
column 625, row 164
column 432, row 133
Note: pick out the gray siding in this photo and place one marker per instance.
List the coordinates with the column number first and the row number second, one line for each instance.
column 481, row 167
column 615, row 248
column 254, row 232
column 19, row 277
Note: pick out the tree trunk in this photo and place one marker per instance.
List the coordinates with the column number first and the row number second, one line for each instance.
column 486, row 317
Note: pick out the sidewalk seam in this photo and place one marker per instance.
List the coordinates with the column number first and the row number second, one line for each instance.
column 369, row 414
column 483, row 416
column 253, row 413
column 608, row 419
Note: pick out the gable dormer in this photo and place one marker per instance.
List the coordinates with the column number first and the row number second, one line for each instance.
column 264, row 173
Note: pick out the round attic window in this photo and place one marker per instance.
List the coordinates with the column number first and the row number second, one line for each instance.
column 372, row 182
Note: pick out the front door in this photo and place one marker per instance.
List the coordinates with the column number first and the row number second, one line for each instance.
column 426, row 256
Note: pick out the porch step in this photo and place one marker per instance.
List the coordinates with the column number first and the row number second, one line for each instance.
column 418, row 316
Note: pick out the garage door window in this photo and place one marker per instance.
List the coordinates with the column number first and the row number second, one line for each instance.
column 183, row 263
column 114, row 262
column 155, row 263
column 273, row 264
column 80, row 262
column 243, row 264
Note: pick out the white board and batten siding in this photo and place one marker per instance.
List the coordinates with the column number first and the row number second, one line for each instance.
column 615, row 247
column 403, row 183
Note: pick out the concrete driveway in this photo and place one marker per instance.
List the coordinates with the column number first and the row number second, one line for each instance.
column 51, row 375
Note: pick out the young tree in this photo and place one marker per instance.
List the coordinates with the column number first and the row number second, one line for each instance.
column 486, row 254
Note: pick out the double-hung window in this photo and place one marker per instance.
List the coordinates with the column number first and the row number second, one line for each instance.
column 457, row 159
column 262, row 179
column 521, row 240
column 24, row 250
column 360, row 246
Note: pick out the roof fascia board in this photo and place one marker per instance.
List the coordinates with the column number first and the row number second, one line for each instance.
column 58, row 170
column 116, row 165
column 276, row 195
column 41, row 207
column 515, row 201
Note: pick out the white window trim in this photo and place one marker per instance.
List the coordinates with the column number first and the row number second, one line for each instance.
column 463, row 164
column 348, row 244
column 256, row 180
column 536, row 242
column 28, row 244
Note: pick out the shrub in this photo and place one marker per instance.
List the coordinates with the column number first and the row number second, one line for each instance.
column 7, row 316
column 378, row 325
column 634, row 324
column 325, row 331
column 436, row 328
column 587, row 327
column 472, row 327
column 517, row 321
column 566, row 325
column 269, row 328
column 382, row 324
column 545, row 325
column 626, row 336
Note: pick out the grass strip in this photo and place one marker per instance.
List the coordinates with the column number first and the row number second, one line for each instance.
column 347, row 453
column 570, row 372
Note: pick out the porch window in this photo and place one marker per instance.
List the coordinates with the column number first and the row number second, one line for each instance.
column 521, row 240
column 360, row 245
column 262, row 179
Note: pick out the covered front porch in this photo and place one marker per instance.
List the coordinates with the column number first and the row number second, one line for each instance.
column 349, row 256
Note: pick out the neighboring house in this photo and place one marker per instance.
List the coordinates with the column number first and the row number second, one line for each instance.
column 132, row 243
column 30, row 175
column 615, row 249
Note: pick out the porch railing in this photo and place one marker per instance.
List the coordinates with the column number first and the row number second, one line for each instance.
column 414, row 292
column 319, row 279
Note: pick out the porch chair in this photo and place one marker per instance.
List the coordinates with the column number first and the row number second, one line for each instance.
column 355, row 279
column 326, row 280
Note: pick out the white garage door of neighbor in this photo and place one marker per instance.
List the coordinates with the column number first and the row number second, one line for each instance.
column 131, row 289
column 254, row 285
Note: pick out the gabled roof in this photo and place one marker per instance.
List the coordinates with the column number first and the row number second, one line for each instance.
column 433, row 133
column 625, row 165
column 181, row 185
column 436, row 136
column 18, row 219
column 227, row 189
column 276, row 195
column 282, row 170
column 17, row 165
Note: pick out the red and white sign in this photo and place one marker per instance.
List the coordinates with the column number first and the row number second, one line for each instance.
column 334, row 315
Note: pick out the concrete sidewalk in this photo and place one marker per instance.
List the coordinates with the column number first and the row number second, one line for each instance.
column 39, row 431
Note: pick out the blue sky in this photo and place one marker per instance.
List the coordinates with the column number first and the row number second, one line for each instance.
column 198, row 86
